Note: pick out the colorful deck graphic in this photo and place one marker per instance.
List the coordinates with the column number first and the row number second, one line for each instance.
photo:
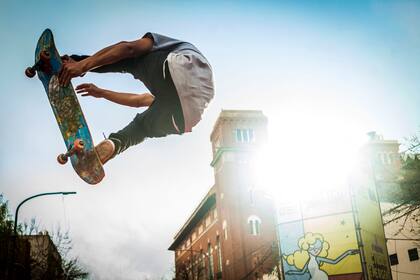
column 68, row 113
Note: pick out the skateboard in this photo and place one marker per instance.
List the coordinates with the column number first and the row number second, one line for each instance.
column 67, row 111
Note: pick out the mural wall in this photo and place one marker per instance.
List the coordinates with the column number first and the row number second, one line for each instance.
column 318, row 238
column 372, row 233
column 321, row 237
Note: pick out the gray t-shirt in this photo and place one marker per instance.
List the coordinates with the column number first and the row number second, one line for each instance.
column 190, row 71
column 191, row 74
column 161, row 42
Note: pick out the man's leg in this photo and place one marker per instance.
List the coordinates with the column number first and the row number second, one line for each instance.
column 156, row 121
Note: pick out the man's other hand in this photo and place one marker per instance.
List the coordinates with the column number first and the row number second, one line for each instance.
column 90, row 90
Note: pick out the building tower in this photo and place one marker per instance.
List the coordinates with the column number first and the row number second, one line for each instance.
column 246, row 214
column 231, row 233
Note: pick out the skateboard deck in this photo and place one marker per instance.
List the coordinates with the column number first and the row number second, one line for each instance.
column 67, row 111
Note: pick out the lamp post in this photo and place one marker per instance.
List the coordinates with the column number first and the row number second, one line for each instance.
column 41, row 194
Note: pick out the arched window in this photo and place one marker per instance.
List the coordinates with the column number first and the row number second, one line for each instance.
column 254, row 225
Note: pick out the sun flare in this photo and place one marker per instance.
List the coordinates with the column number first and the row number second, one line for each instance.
column 307, row 153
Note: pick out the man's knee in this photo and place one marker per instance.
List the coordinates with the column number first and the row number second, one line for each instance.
column 157, row 125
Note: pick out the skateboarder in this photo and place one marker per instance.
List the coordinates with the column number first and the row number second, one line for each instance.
column 177, row 74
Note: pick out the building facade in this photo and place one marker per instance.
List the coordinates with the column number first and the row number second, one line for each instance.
column 384, row 245
column 30, row 257
column 231, row 234
column 402, row 235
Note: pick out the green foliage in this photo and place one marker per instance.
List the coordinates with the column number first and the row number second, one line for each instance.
column 71, row 265
column 409, row 182
column 408, row 178
column 6, row 222
column 72, row 269
column 404, row 191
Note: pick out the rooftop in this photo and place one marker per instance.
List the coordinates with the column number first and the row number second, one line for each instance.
column 238, row 115
column 205, row 205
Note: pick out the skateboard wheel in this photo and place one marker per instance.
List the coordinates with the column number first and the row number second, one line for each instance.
column 62, row 159
column 78, row 145
column 44, row 56
column 30, row 72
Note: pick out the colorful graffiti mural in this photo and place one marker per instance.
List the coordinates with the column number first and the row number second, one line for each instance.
column 319, row 248
column 335, row 235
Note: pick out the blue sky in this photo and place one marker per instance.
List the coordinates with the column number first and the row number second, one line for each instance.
column 320, row 70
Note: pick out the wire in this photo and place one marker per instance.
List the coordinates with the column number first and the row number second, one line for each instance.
column 403, row 239
column 405, row 272
column 66, row 221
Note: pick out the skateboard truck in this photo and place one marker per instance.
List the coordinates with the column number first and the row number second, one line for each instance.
column 77, row 147
column 43, row 64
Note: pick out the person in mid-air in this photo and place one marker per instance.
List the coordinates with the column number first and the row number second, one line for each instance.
column 179, row 77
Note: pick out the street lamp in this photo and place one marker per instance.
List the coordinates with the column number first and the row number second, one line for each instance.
column 41, row 194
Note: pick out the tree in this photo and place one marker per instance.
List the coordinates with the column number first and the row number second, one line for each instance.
column 70, row 264
column 404, row 189
column 6, row 222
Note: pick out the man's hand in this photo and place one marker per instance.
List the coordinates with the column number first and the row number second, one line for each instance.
column 66, row 58
column 90, row 90
column 126, row 99
column 69, row 70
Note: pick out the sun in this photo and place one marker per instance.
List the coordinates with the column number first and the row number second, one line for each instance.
column 308, row 153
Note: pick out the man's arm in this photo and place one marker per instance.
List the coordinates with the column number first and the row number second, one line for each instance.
column 108, row 55
column 127, row 99
column 117, row 67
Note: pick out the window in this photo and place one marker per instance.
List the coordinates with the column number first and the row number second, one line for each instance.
column 225, row 231
column 393, row 259
column 413, row 254
column 251, row 196
column 244, row 135
column 219, row 254
column 254, row 225
column 203, row 260
column 200, row 229
column 208, row 220
column 390, row 158
column 215, row 214
column 194, row 235
column 211, row 263
column 386, row 158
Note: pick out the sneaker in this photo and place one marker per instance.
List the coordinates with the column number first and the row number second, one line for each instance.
column 105, row 150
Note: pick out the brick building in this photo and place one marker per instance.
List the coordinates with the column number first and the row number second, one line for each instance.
column 231, row 233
